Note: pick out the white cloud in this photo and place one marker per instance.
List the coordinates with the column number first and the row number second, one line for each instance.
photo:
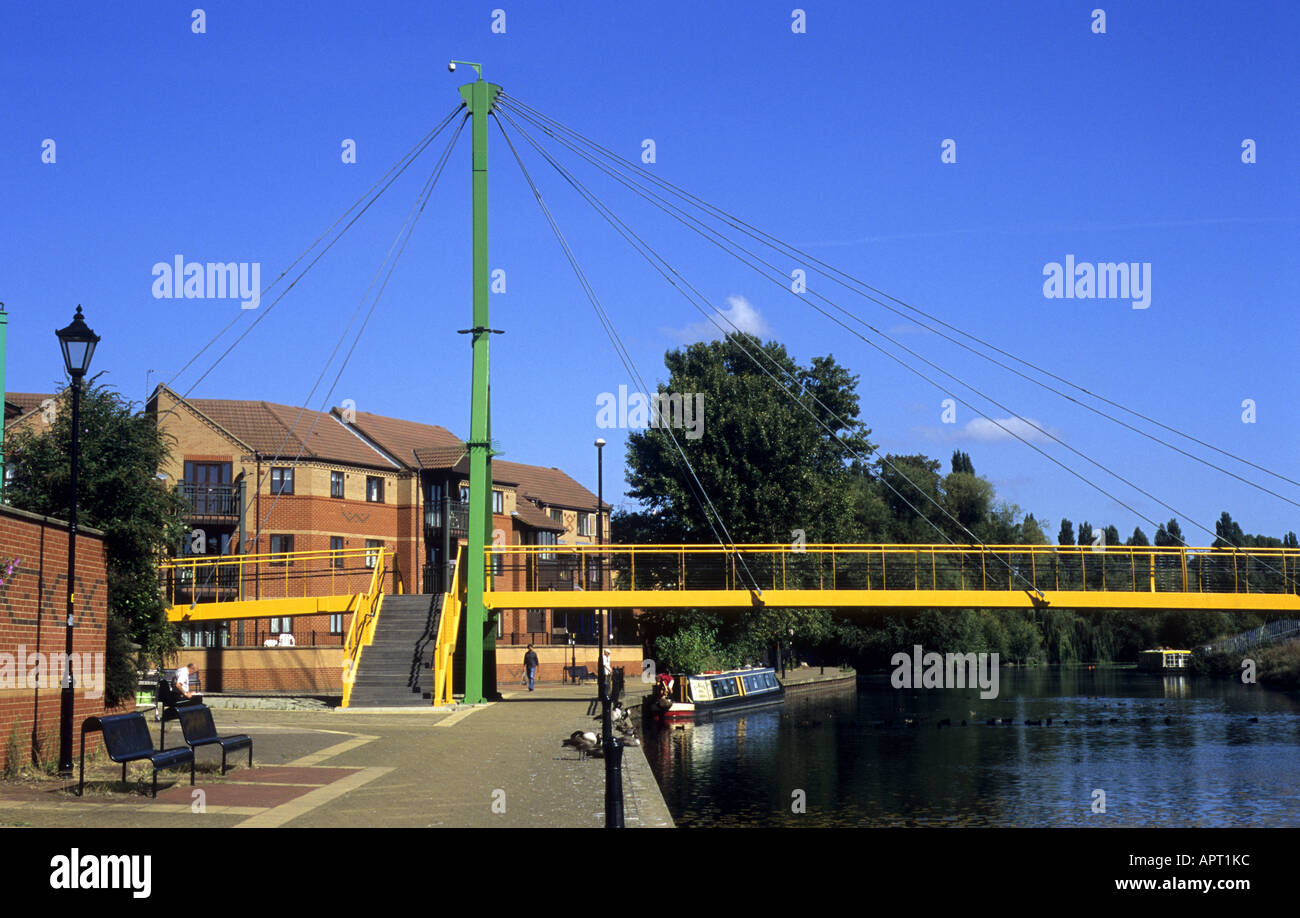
column 987, row 431
column 998, row 430
column 739, row 314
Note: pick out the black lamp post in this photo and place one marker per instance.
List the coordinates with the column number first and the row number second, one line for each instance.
column 78, row 343
column 612, row 747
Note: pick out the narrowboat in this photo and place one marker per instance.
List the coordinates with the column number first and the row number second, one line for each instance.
column 677, row 697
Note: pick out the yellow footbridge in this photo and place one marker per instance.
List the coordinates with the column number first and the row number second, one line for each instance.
column 866, row 577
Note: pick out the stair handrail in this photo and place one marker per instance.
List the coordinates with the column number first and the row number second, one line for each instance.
column 362, row 630
column 448, row 629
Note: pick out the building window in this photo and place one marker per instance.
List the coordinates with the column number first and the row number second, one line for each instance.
column 336, row 484
column 556, row 514
column 546, row 538
column 282, row 625
column 281, row 480
column 336, row 623
column 375, row 490
column 373, row 548
column 498, row 502
column 281, row 544
column 336, row 544
column 464, row 494
column 584, row 524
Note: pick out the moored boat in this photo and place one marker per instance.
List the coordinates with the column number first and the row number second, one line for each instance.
column 707, row 693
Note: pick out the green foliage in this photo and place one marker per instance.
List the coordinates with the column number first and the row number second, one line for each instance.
column 692, row 649
column 118, row 492
column 13, row 765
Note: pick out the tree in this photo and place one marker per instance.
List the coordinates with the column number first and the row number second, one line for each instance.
column 119, row 493
column 1138, row 538
column 768, row 461
column 771, row 461
column 961, row 463
column 1169, row 534
column 1066, row 535
column 1227, row 532
column 1031, row 532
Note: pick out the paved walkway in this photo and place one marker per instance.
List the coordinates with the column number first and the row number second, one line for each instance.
column 500, row 764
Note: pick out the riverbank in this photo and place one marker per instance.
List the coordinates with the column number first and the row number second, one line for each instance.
column 807, row 679
column 1276, row 667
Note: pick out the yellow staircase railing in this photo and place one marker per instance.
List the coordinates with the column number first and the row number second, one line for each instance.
column 361, row 633
column 448, row 628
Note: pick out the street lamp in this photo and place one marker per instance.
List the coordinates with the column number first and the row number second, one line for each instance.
column 613, row 749
column 78, row 344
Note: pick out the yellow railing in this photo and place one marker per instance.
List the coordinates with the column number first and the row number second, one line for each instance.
column 862, row 567
column 273, row 575
column 361, row 633
column 445, row 644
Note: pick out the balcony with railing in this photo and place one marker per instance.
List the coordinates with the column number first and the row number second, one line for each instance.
column 457, row 512
column 212, row 501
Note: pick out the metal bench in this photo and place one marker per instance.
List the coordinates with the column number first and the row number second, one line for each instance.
column 166, row 702
column 579, row 673
column 199, row 730
column 127, row 739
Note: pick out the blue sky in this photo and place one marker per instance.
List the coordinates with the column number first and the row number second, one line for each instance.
column 1118, row 147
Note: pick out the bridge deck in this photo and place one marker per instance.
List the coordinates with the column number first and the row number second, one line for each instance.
column 746, row 576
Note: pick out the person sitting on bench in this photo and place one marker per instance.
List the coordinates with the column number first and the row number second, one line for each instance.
column 183, row 676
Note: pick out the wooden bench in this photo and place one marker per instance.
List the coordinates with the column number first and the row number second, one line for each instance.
column 199, row 730
column 127, row 739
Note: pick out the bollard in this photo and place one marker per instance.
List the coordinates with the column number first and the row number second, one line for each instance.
column 614, row 784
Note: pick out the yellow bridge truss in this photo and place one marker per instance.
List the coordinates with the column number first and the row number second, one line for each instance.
column 351, row 581
column 873, row 576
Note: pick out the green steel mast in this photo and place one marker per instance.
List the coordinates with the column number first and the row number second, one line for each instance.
column 480, row 645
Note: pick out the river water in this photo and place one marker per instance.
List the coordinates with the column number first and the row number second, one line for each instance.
column 1150, row 750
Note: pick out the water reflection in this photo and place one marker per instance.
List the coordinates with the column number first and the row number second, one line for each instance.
column 1166, row 751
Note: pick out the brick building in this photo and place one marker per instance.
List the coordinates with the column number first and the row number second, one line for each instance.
column 266, row 478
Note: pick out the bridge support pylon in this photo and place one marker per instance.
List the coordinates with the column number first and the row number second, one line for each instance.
column 480, row 643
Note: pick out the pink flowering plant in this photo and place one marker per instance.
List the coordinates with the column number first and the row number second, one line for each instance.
column 9, row 567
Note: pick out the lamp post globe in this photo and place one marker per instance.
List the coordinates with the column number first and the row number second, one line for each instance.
column 78, row 344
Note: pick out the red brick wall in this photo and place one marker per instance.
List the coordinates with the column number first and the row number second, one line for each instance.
column 551, row 663
column 304, row 670
column 32, row 604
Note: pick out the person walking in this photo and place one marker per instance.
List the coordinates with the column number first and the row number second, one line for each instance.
column 530, row 665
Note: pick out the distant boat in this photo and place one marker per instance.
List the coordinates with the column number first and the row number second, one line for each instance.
column 678, row 697
column 1164, row 660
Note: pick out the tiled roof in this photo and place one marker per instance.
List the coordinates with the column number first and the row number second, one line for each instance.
column 546, row 486
column 25, row 401
column 529, row 515
column 455, row 458
column 405, row 440
column 285, row 431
